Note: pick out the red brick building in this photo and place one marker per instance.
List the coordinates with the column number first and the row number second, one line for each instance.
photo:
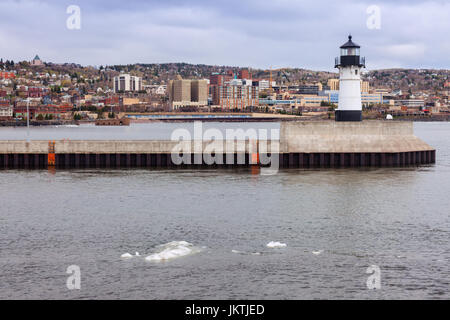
column 244, row 74
column 219, row 79
column 7, row 75
column 230, row 93
column 54, row 110
column 235, row 95
column 35, row 92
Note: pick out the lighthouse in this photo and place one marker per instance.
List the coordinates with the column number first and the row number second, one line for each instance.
column 349, row 65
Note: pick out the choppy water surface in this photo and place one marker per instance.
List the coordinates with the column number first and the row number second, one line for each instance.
column 395, row 218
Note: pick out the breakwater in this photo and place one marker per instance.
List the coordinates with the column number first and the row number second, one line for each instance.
column 301, row 144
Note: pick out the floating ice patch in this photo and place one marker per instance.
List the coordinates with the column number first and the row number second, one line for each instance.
column 126, row 256
column 172, row 250
column 317, row 252
column 274, row 244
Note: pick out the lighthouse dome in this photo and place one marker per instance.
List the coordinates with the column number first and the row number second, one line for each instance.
column 350, row 55
column 350, row 43
column 350, row 48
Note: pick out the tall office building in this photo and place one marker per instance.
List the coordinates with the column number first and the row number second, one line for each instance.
column 365, row 86
column 180, row 90
column 235, row 95
column 219, row 79
column 244, row 74
column 310, row 88
column 188, row 93
column 199, row 91
column 126, row 82
column 333, row 84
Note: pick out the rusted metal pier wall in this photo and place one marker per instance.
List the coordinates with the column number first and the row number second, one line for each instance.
column 158, row 160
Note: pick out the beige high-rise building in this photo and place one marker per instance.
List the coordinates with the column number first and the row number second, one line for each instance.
column 180, row 90
column 199, row 91
column 126, row 82
column 334, row 85
column 365, row 86
column 185, row 93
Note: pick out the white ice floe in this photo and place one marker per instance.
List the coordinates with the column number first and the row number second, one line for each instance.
column 275, row 244
column 126, row 256
column 137, row 254
column 172, row 250
column 317, row 252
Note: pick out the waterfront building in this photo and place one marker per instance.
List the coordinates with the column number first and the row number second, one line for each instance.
column 349, row 64
column 333, row 95
column 264, row 84
column 188, row 93
column 411, row 103
column 235, row 94
column 371, row 98
column 219, row 79
column 6, row 112
column 310, row 89
column 199, row 92
column 309, row 100
column 366, row 98
column 333, row 84
column 128, row 101
column 365, row 87
column 180, row 91
column 127, row 83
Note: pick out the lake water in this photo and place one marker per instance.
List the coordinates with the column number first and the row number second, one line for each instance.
column 136, row 131
column 395, row 218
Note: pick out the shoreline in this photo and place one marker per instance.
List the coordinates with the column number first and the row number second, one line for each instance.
column 444, row 118
column 275, row 118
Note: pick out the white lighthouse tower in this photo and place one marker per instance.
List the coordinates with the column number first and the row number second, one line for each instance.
column 349, row 65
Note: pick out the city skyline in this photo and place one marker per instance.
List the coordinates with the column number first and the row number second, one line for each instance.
column 246, row 34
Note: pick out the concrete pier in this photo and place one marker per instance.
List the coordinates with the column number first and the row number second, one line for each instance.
column 302, row 144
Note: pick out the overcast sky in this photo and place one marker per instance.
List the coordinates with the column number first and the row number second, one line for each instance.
column 254, row 33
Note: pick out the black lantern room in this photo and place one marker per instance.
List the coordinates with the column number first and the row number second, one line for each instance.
column 350, row 55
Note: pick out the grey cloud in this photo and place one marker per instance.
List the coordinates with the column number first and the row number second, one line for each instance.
column 245, row 33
